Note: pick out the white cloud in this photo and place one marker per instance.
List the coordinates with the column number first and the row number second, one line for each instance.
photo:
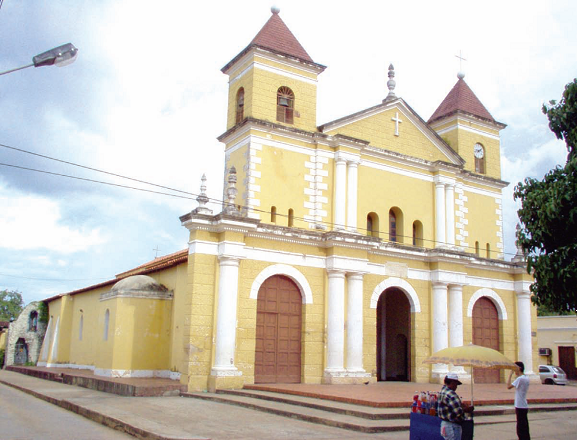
column 32, row 222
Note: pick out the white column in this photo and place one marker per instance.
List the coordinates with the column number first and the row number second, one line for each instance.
column 226, row 317
column 440, row 214
column 352, row 186
column 524, row 330
column 440, row 333
column 450, row 213
column 336, row 322
column 355, row 323
column 455, row 315
column 340, row 192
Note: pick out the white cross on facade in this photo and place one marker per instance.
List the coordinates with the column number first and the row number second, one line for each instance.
column 397, row 122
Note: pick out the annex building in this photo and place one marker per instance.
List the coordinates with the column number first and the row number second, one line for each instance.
column 345, row 252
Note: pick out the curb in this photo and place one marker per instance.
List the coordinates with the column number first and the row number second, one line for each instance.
column 108, row 421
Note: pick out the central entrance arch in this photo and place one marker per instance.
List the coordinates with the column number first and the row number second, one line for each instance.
column 278, row 332
column 393, row 336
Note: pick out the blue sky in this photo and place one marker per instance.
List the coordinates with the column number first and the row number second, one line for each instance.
column 146, row 99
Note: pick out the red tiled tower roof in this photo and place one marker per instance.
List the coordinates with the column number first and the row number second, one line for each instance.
column 275, row 35
column 461, row 98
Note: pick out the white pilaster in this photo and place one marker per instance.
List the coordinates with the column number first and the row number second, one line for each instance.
column 336, row 323
column 455, row 322
column 355, row 324
column 440, row 226
column 340, row 192
column 440, row 329
column 352, row 185
column 524, row 330
column 226, row 318
column 450, row 213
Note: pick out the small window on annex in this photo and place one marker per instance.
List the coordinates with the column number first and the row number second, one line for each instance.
column 285, row 100
column 479, row 152
column 488, row 250
column 291, row 218
column 273, row 214
column 477, row 248
column 239, row 105
column 33, row 321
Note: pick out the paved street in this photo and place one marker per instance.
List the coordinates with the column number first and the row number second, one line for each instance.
column 23, row 417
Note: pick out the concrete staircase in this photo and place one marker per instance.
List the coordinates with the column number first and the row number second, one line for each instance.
column 352, row 416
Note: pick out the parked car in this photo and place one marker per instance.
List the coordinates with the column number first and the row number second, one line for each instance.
column 552, row 374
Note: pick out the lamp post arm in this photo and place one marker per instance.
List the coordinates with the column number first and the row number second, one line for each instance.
column 17, row 68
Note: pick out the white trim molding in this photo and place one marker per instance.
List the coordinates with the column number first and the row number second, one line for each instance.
column 494, row 297
column 288, row 271
column 399, row 284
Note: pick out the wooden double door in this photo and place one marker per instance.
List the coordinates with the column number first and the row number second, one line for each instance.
column 278, row 332
column 486, row 334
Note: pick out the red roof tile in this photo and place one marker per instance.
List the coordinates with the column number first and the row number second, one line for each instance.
column 275, row 35
column 461, row 98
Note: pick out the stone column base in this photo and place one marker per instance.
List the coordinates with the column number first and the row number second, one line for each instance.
column 225, row 383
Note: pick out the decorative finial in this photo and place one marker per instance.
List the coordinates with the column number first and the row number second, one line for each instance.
column 520, row 256
column 231, row 192
column 275, row 10
column 391, row 83
column 202, row 199
column 461, row 75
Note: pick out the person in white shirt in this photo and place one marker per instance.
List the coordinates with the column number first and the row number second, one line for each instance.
column 521, row 385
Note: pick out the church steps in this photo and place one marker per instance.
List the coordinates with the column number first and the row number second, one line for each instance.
column 352, row 416
column 319, row 416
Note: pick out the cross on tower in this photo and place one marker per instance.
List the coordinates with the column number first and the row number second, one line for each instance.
column 461, row 59
column 397, row 122
column 156, row 250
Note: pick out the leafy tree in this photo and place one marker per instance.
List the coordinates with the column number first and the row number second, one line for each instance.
column 11, row 304
column 549, row 215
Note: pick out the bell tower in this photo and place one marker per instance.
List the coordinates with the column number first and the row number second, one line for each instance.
column 468, row 127
column 273, row 79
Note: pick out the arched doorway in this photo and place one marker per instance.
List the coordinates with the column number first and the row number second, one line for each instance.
column 278, row 332
column 393, row 336
column 21, row 352
column 486, row 334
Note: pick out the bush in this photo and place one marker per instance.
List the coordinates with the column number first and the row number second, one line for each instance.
column 1, row 357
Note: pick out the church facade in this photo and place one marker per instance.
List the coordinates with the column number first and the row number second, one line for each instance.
column 344, row 253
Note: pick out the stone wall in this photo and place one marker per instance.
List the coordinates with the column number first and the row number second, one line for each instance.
column 21, row 328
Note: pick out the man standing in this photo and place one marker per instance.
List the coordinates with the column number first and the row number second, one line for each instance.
column 451, row 409
column 521, row 385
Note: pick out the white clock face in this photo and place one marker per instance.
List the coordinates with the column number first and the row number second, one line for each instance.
column 479, row 152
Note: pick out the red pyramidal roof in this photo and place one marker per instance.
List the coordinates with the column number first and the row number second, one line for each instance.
column 461, row 98
column 275, row 35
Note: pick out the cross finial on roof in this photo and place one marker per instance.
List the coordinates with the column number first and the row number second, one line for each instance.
column 461, row 74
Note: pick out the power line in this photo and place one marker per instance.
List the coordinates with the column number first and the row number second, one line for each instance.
column 193, row 195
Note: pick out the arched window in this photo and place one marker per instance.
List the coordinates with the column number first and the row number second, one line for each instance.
column 80, row 327
column 372, row 224
column 291, row 218
column 488, row 250
column 33, row 321
column 285, row 100
column 417, row 233
column 273, row 214
column 477, row 248
column 396, row 225
column 239, row 105
column 479, row 152
column 106, row 321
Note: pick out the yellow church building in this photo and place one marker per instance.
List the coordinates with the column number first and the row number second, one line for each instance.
column 345, row 252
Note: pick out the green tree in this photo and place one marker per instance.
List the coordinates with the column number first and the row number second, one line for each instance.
column 549, row 215
column 11, row 304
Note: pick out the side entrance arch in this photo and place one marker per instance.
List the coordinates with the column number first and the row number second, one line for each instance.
column 278, row 332
column 393, row 336
column 486, row 334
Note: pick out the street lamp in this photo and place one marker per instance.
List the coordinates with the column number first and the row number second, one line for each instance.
column 59, row 56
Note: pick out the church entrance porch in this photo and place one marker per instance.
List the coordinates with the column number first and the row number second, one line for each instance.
column 278, row 332
column 486, row 334
column 393, row 336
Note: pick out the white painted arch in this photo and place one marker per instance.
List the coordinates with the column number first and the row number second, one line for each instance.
column 288, row 271
column 400, row 284
column 494, row 297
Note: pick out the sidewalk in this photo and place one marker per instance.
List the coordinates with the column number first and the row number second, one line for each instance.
column 180, row 418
